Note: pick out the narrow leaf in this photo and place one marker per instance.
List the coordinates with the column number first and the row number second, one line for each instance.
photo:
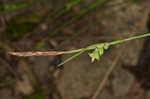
column 72, row 57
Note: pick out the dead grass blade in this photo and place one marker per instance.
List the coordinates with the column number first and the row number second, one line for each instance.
column 36, row 53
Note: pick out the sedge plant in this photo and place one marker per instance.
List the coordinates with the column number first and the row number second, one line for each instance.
column 97, row 50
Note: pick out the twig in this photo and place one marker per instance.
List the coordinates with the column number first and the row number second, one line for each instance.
column 37, row 53
column 98, row 49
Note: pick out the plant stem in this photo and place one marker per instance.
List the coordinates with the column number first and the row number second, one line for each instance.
column 128, row 39
column 110, row 43
column 91, row 47
column 72, row 57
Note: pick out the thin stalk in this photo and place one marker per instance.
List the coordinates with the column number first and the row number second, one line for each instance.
column 79, row 51
column 110, row 43
column 129, row 39
column 72, row 57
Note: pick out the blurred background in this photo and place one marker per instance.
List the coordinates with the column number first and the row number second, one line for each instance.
column 48, row 25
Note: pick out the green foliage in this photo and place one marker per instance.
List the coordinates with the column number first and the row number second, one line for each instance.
column 71, row 4
column 17, row 31
column 98, row 51
column 21, row 25
column 11, row 7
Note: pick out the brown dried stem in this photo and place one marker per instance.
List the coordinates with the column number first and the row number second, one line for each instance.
column 37, row 53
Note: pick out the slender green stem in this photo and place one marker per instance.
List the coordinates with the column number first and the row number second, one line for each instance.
column 110, row 43
column 128, row 39
column 80, row 51
column 72, row 57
